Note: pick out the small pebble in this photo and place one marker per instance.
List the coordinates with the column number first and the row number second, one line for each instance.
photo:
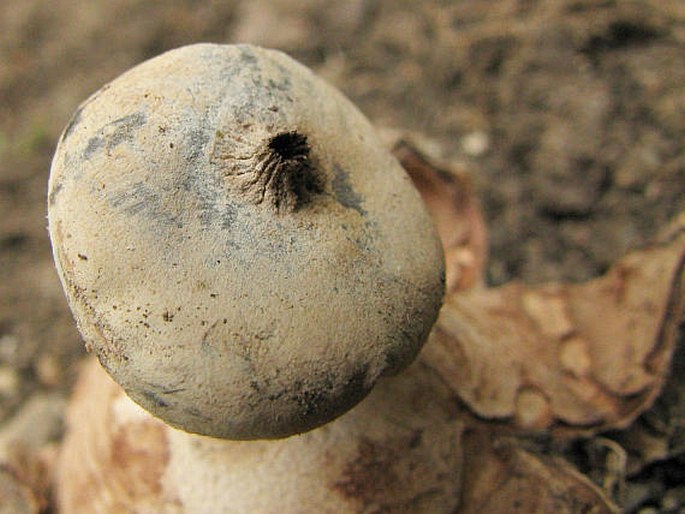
column 9, row 382
column 9, row 346
column 15, row 497
column 475, row 143
column 673, row 499
column 38, row 422
column 49, row 370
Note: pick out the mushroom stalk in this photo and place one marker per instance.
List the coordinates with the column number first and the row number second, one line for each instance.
column 397, row 451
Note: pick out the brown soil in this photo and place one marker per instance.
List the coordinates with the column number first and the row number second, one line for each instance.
column 570, row 114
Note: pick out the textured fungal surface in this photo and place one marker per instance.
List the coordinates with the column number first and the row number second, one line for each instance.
column 237, row 248
column 398, row 451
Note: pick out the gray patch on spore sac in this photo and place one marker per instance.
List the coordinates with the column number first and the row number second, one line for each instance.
column 155, row 399
column 124, row 127
column 343, row 191
column 247, row 55
column 261, row 101
column 365, row 240
column 113, row 134
column 214, row 207
column 75, row 119
column 94, row 144
column 160, row 396
column 140, row 199
column 283, row 85
column 56, row 188
column 215, row 213
column 195, row 143
column 227, row 217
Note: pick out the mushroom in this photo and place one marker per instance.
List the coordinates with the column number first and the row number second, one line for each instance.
column 238, row 249
column 247, row 262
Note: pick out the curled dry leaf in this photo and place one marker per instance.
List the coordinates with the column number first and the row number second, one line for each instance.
column 16, row 497
column 506, row 478
column 450, row 197
column 566, row 357
column 659, row 433
column 576, row 357
column 27, row 454
column 499, row 474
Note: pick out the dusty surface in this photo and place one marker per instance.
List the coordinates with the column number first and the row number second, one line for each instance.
column 569, row 113
column 204, row 254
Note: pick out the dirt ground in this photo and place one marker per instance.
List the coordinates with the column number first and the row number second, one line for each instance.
column 569, row 114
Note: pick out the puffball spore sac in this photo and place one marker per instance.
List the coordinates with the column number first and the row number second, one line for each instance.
column 236, row 246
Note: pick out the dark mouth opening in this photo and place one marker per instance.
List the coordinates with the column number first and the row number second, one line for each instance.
column 289, row 145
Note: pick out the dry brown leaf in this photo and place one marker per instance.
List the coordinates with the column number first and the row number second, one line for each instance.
column 26, row 473
column 659, row 433
column 450, row 197
column 17, row 497
column 567, row 357
column 502, row 477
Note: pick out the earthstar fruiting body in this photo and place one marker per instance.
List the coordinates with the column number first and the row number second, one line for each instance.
column 238, row 249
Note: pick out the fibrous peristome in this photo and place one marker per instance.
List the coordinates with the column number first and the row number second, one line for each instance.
column 237, row 248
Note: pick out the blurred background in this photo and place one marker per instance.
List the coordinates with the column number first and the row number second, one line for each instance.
column 569, row 114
